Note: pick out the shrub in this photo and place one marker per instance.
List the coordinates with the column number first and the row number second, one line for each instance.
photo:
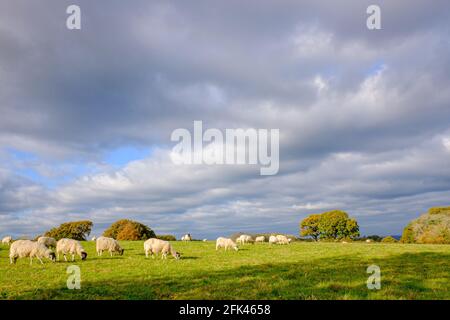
column 389, row 239
column 77, row 230
column 432, row 227
column 166, row 237
column 129, row 230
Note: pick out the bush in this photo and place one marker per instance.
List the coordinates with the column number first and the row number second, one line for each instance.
column 389, row 239
column 129, row 230
column 432, row 227
column 77, row 230
column 166, row 237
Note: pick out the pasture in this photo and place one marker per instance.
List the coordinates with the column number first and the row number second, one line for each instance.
column 298, row 271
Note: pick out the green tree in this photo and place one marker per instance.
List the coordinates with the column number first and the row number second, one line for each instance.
column 310, row 226
column 77, row 230
column 129, row 230
column 334, row 224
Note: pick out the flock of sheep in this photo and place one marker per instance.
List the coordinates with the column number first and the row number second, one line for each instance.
column 42, row 248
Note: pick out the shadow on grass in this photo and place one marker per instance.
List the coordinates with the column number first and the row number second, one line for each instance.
column 405, row 276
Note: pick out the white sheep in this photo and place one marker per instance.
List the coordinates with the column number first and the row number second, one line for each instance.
column 108, row 244
column 225, row 243
column 155, row 246
column 93, row 239
column 31, row 249
column 260, row 239
column 273, row 239
column 244, row 238
column 186, row 237
column 69, row 246
column 282, row 239
column 47, row 241
column 204, row 240
column 7, row 240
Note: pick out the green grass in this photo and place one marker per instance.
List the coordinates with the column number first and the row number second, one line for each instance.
column 261, row 271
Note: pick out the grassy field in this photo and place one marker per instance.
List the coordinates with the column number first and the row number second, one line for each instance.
column 262, row 271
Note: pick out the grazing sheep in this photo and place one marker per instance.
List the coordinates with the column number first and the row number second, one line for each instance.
column 368, row 240
column 7, row 240
column 273, row 240
column 225, row 243
column 108, row 244
column 260, row 239
column 93, row 239
column 69, row 246
column 282, row 239
column 47, row 241
column 204, row 240
column 155, row 246
column 245, row 239
column 186, row 237
column 31, row 249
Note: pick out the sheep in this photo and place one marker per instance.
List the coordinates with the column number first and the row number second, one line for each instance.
column 260, row 239
column 31, row 249
column 108, row 244
column 155, row 246
column 69, row 246
column 368, row 240
column 225, row 243
column 186, row 237
column 273, row 240
column 7, row 240
column 47, row 241
column 282, row 239
column 94, row 239
column 204, row 240
column 245, row 239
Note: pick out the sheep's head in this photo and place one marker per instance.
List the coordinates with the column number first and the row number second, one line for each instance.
column 177, row 255
column 52, row 256
column 121, row 251
column 83, row 255
column 236, row 248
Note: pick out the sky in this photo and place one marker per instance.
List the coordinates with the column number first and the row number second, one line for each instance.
column 86, row 115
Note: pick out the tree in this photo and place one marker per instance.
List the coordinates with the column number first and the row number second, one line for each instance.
column 310, row 226
column 77, row 230
column 337, row 225
column 129, row 230
column 334, row 224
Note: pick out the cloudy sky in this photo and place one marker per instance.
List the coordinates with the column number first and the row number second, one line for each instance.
column 86, row 115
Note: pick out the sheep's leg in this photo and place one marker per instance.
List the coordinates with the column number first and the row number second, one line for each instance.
column 40, row 260
column 65, row 258
column 73, row 256
column 31, row 261
column 110, row 252
column 146, row 253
